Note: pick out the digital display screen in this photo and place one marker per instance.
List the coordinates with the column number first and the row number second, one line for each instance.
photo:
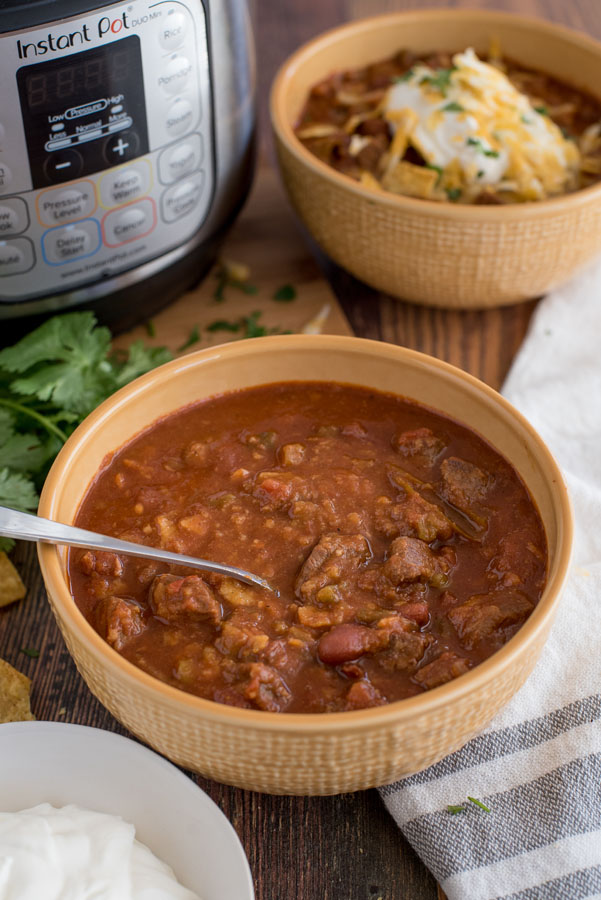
column 85, row 112
column 46, row 90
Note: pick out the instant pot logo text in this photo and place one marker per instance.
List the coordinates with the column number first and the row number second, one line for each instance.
column 85, row 35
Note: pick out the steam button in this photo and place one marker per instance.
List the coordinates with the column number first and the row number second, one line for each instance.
column 176, row 75
column 172, row 31
column 179, row 117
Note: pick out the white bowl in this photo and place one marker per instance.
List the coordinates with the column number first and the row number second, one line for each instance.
column 48, row 762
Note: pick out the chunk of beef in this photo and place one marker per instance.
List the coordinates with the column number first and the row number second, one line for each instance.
column 119, row 620
column 334, row 557
column 263, row 687
column 484, row 614
column 412, row 517
column 463, row 484
column 348, row 642
column 174, row 598
column 362, row 694
column 444, row 668
column 421, row 443
column 404, row 651
column 412, row 560
column 518, row 559
column 240, row 636
column 102, row 562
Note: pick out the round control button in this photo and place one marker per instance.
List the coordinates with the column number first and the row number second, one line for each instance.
column 11, row 257
column 6, row 176
column 68, row 243
column 180, row 159
column 124, row 185
column 9, row 220
column 176, row 75
column 172, row 31
column 121, row 147
column 130, row 224
column 63, row 165
column 182, row 198
column 179, row 117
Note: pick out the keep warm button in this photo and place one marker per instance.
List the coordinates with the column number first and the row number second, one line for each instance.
column 129, row 223
column 182, row 198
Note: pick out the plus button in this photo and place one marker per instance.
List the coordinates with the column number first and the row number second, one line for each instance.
column 120, row 147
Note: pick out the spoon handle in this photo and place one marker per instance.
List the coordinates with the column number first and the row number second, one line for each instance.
column 26, row 527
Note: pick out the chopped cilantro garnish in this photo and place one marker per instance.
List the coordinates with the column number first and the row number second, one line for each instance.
column 405, row 76
column 453, row 194
column 476, row 142
column 193, row 338
column 526, row 120
column 480, row 173
column 453, row 107
column 251, row 325
column 224, row 325
column 150, row 329
column 440, row 80
column 31, row 652
column 49, row 381
column 285, row 293
column 454, row 810
column 541, row 110
column 478, row 803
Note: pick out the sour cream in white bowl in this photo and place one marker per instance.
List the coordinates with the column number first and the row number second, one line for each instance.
column 52, row 763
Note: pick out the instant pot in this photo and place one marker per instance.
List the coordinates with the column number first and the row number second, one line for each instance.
column 126, row 150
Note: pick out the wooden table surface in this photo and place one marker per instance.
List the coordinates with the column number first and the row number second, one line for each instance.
column 345, row 847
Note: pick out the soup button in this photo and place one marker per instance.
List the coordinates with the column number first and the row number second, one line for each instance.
column 129, row 223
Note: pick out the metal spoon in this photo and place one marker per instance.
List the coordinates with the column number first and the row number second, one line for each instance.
column 25, row 527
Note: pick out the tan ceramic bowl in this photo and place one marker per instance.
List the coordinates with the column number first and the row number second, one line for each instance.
column 439, row 254
column 291, row 753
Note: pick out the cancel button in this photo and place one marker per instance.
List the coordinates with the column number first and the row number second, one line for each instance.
column 128, row 224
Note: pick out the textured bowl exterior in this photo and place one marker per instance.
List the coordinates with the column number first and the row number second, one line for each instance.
column 303, row 754
column 429, row 252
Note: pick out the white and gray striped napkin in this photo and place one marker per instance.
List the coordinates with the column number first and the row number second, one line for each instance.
column 538, row 766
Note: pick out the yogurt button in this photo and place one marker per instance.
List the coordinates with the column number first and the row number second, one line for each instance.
column 176, row 75
column 6, row 176
column 179, row 117
column 180, row 159
column 172, row 31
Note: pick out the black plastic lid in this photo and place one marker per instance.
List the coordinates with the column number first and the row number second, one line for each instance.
column 16, row 15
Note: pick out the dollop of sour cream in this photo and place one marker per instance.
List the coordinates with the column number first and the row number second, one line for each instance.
column 473, row 118
column 70, row 853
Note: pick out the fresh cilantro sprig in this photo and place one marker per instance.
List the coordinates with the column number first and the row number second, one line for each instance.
column 440, row 80
column 49, row 381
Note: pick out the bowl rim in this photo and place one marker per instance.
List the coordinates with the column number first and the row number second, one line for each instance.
column 51, row 559
column 285, row 134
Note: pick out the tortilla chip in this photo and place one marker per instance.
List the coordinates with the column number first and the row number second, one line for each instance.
column 11, row 586
column 410, row 180
column 368, row 180
column 14, row 695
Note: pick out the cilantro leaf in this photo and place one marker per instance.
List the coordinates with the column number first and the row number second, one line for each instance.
column 141, row 359
column 193, row 338
column 476, row 142
column 455, row 810
column 541, row 110
column 17, row 491
column 251, row 325
column 32, row 652
column 440, row 80
column 224, row 325
column 285, row 293
column 453, row 107
column 405, row 76
column 478, row 803
column 453, row 194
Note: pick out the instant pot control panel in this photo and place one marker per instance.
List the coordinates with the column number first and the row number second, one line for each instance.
column 106, row 144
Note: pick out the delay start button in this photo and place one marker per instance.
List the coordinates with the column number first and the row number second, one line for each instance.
column 58, row 206
column 129, row 223
column 62, row 245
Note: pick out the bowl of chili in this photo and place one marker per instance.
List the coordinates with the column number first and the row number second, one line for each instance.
column 328, row 510
column 403, row 227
